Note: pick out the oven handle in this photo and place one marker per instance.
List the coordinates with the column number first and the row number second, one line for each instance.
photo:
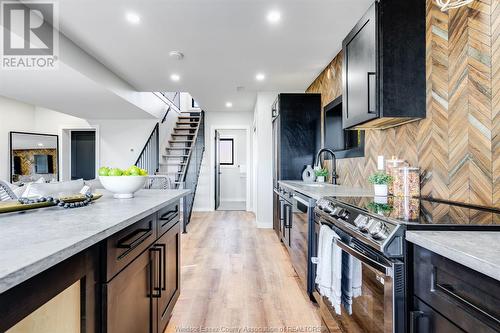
column 380, row 267
column 302, row 201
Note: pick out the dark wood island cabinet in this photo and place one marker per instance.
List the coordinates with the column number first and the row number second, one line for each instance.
column 126, row 282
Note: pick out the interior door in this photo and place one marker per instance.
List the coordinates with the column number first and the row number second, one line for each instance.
column 217, row 169
column 170, row 281
column 83, row 155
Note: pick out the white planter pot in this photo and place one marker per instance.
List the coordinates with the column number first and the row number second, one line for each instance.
column 320, row 179
column 380, row 190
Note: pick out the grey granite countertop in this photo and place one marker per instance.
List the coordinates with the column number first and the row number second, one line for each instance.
column 33, row 241
column 477, row 250
column 319, row 190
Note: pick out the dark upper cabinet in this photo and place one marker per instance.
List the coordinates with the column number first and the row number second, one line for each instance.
column 384, row 66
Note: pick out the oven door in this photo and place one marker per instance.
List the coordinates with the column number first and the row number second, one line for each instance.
column 373, row 310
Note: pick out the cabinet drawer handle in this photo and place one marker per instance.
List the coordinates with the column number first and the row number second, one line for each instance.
column 169, row 216
column 154, row 288
column 414, row 318
column 132, row 240
column 448, row 290
column 371, row 92
column 163, row 259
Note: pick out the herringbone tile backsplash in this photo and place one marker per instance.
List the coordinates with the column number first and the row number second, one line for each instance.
column 457, row 146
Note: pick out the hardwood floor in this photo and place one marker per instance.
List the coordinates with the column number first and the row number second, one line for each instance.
column 235, row 276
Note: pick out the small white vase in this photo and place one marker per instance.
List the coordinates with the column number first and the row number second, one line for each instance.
column 380, row 190
column 308, row 175
column 320, row 179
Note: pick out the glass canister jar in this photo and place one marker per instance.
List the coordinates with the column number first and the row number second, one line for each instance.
column 391, row 168
column 406, row 182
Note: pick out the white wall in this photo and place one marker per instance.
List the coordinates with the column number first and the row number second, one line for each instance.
column 233, row 178
column 262, row 162
column 204, row 200
column 120, row 141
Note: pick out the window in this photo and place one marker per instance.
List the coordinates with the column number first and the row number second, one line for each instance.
column 226, row 151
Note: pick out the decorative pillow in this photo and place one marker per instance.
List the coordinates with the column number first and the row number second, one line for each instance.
column 70, row 187
column 94, row 184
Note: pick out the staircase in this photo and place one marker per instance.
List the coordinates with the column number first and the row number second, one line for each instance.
column 181, row 146
column 181, row 159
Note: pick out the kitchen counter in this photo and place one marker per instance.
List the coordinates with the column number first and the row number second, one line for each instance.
column 319, row 190
column 34, row 241
column 474, row 249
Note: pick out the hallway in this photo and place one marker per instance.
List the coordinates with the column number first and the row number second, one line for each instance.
column 235, row 276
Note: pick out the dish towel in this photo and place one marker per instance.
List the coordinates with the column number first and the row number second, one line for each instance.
column 329, row 267
column 336, row 294
column 351, row 280
column 323, row 261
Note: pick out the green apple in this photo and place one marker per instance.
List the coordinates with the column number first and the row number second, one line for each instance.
column 126, row 173
column 103, row 171
column 134, row 171
column 115, row 172
column 143, row 172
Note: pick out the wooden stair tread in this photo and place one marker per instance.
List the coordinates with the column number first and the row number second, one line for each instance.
column 178, row 148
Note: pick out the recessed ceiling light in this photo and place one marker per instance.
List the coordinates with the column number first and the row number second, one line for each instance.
column 175, row 77
column 229, row 105
column 260, row 77
column 273, row 16
column 40, row 144
column 133, row 18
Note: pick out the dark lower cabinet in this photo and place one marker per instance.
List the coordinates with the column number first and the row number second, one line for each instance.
column 143, row 274
column 449, row 297
column 129, row 303
column 170, row 282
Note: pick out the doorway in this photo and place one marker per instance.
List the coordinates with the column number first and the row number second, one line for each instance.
column 231, row 169
column 83, row 153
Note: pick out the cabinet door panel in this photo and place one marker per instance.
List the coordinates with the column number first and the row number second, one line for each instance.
column 360, row 83
column 425, row 320
column 129, row 307
column 170, row 243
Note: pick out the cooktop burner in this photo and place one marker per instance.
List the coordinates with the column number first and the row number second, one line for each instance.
column 424, row 211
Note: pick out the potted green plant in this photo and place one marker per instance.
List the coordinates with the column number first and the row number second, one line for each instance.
column 321, row 175
column 380, row 180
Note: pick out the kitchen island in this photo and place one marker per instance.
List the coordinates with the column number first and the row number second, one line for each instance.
column 86, row 252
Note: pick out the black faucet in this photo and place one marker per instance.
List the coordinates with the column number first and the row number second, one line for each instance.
column 333, row 179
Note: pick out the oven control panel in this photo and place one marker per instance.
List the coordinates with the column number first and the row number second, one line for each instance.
column 368, row 228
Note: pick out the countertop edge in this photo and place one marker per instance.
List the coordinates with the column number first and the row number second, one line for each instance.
column 13, row 279
column 313, row 192
column 478, row 264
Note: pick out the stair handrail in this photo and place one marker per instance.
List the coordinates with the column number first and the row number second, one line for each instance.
column 149, row 157
column 196, row 138
column 173, row 104
column 199, row 146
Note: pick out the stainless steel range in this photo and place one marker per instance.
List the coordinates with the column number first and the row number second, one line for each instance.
column 372, row 231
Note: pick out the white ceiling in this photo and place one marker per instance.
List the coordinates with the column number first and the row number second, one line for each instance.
column 225, row 42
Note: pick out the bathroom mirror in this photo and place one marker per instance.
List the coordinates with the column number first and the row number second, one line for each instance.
column 33, row 157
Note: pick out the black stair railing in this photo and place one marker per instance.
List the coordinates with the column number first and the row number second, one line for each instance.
column 149, row 158
column 192, row 170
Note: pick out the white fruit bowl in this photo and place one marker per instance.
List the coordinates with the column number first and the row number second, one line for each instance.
column 123, row 187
